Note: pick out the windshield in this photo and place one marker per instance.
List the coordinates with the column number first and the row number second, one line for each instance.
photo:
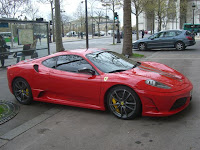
column 110, row 62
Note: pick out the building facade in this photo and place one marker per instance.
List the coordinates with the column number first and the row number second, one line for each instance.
column 147, row 23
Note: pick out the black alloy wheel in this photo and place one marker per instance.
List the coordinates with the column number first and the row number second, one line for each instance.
column 180, row 46
column 124, row 103
column 142, row 46
column 22, row 91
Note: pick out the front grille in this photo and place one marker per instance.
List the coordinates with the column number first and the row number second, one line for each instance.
column 178, row 103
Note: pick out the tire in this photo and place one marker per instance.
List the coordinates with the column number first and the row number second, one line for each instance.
column 123, row 102
column 180, row 46
column 142, row 46
column 22, row 91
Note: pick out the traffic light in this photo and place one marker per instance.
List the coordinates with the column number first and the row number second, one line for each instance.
column 39, row 19
column 115, row 15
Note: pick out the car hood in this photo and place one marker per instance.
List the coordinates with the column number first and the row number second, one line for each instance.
column 158, row 72
column 141, row 40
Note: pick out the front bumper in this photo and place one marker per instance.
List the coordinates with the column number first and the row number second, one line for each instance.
column 134, row 46
column 165, row 104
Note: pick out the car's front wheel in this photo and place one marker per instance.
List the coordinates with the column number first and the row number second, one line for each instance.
column 180, row 46
column 22, row 91
column 123, row 102
column 142, row 46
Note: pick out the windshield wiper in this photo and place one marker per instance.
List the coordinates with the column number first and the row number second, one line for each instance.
column 119, row 70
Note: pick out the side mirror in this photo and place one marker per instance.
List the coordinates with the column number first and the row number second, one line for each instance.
column 151, row 38
column 86, row 71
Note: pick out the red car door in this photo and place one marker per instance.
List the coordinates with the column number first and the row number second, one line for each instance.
column 67, row 84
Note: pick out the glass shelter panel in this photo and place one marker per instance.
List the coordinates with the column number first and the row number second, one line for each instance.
column 21, row 40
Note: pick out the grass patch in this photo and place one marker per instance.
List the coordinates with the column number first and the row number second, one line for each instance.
column 1, row 109
column 137, row 55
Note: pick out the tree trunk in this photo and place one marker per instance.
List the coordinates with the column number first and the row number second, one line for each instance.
column 127, row 44
column 59, row 44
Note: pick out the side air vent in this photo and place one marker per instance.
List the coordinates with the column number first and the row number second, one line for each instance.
column 36, row 67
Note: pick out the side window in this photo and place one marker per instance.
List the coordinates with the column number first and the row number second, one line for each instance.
column 161, row 35
column 72, row 63
column 170, row 34
column 50, row 63
column 178, row 33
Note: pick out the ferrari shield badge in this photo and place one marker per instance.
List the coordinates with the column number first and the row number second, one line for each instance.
column 105, row 78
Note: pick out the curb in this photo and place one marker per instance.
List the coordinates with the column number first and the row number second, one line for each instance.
column 28, row 125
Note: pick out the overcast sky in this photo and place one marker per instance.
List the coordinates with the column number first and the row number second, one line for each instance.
column 70, row 7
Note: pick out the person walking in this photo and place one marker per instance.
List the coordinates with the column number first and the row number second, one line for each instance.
column 2, row 50
column 142, row 33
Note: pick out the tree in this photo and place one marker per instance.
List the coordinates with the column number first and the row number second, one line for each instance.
column 127, row 44
column 31, row 10
column 100, row 15
column 138, row 6
column 112, row 6
column 80, row 16
column 59, row 44
column 12, row 8
column 183, row 12
column 171, row 13
column 149, row 10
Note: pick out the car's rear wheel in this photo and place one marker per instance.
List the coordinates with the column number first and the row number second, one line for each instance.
column 180, row 46
column 22, row 91
column 142, row 46
column 123, row 102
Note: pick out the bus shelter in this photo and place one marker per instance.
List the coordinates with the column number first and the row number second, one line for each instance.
column 21, row 40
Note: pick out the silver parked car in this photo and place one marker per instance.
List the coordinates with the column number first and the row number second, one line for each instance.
column 178, row 39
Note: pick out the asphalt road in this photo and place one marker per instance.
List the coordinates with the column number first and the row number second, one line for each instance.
column 77, row 128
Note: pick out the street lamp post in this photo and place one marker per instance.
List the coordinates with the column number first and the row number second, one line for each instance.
column 105, row 5
column 193, row 8
column 86, row 24
column 91, row 6
column 52, row 20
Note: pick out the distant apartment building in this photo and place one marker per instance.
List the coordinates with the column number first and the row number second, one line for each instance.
column 147, row 23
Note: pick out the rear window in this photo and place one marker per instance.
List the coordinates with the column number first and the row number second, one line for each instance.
column 187, row 33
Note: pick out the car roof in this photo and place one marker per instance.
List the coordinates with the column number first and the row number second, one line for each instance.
column 171, row 30
column 80, row 52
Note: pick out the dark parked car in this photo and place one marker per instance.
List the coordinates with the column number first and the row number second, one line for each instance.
column 178, row 39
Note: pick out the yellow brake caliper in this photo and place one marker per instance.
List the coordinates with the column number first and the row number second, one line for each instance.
column 27, row 92
column 114, row 102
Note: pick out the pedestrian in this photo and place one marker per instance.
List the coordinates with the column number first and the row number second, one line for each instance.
column 2, row 50
column 142, row 33
column 40, row 39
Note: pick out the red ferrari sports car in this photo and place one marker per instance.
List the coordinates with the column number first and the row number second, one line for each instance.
column 99, row 79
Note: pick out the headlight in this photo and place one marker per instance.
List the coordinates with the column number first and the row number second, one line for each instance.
column 157, row 84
